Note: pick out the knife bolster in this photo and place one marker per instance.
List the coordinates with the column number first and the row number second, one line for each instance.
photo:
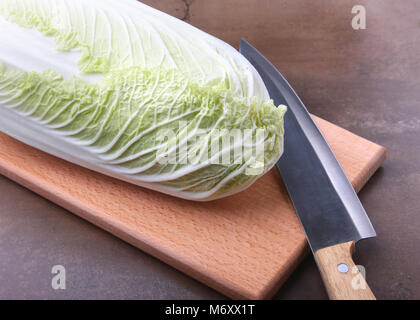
column 341, row 276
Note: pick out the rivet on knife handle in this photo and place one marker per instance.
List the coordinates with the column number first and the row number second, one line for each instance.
column 342, row 283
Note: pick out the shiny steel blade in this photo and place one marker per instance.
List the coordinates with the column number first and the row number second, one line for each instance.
column 323, row 197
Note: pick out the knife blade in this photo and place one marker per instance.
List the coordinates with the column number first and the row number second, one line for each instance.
column 327, row 205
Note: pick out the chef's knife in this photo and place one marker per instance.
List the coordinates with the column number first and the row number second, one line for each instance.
column 330, row 211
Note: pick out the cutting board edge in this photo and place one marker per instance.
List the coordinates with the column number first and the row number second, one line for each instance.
column 370, row 167
column 281, row 277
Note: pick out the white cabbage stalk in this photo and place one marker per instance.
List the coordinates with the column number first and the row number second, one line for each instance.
column 96, row 82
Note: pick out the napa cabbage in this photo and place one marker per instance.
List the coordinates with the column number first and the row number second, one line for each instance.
column 126, row 90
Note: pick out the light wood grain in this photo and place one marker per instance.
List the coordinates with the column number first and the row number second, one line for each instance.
column 349, row 284
column 244, row 246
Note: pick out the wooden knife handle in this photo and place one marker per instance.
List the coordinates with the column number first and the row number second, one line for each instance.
column 341, row 276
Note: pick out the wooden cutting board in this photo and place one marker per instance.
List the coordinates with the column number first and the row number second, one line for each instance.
column 244, row 246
